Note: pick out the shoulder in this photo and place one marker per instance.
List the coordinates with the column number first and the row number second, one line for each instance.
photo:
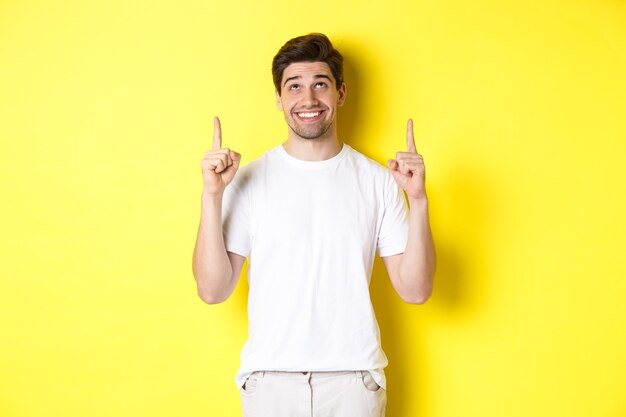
column 248, row 173
column 373, row 174
column 368, row 166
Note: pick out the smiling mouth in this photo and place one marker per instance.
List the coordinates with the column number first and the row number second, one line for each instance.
column 309, row 116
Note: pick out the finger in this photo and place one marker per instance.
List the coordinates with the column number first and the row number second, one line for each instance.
column 211, row 153
column 235, row 158
column 409, row 166
column 216, row 165
column 225, row 158
column 217, row 133
column 410, row 139
column 409, row 156
column 395, row 172
column 404, row 168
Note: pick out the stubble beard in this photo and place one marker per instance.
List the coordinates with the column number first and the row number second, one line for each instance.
column 309, row 132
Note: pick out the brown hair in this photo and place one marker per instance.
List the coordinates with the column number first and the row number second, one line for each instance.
column 314, row 47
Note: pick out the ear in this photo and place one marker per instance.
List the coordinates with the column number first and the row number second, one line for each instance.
column 279, row 103
column 342, row 94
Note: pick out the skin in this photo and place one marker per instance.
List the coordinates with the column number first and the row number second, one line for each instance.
column 310, row 88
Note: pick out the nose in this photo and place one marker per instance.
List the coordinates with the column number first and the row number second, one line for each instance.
column 309, row 98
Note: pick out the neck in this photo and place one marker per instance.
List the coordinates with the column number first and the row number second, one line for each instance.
column 318, row 149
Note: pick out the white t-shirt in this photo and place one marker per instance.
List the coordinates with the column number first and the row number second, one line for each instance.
column 310, row 231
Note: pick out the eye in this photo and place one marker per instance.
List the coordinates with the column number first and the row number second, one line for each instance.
column 320, row 84
column 294, row 87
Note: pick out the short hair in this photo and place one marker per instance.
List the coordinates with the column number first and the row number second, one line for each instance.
column 314, row 47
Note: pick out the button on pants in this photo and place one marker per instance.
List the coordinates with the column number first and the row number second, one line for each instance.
column 312, row 394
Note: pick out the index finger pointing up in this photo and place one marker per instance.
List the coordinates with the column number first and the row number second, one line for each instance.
column 410, row 140
column 217, row 133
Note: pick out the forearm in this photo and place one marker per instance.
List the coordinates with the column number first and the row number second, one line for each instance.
column 417, row 265
column 211, row 266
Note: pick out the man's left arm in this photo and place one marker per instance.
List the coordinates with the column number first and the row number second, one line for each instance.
column 412, row 272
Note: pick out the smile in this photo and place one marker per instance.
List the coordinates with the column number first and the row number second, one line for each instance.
column 308, row 116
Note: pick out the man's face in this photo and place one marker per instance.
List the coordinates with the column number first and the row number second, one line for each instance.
column 309, row 99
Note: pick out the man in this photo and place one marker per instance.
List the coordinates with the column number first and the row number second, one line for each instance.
column 310, row 214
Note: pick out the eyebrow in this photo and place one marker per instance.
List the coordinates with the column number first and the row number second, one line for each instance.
column 316, row 76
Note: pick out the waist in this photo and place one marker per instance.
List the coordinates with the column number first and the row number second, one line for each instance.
column 307, row 374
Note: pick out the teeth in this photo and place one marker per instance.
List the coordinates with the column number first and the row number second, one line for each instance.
column 309, row 114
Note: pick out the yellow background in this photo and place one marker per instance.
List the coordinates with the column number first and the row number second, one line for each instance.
column 105, row 113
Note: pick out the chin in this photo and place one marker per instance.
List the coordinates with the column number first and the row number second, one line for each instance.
column 311, row 135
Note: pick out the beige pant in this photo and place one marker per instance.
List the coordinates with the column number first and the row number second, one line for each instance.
column 312, row 394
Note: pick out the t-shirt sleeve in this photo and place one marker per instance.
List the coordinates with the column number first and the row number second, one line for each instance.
column 236, row 215
column 394, row 229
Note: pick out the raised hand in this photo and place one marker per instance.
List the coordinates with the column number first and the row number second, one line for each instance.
column 219, row 164
column 408, row 168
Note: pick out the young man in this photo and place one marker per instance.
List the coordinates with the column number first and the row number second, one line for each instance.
column 310, row 214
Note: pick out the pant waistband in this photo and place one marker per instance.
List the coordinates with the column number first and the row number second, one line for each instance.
column 312, row 374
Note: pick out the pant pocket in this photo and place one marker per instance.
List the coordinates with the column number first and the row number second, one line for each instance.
column 369, row 383
column 251, row 384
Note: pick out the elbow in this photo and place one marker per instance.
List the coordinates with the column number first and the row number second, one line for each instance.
column 419, row 295
column 418, row 298
column 416, row 287
column 208, row 293
column 423, row 291
column 210, row 298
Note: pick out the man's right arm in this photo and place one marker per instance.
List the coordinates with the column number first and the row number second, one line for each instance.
column 216, row 271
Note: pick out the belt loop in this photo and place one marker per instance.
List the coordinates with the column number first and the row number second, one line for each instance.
column 261, row 374
column 359, row 375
